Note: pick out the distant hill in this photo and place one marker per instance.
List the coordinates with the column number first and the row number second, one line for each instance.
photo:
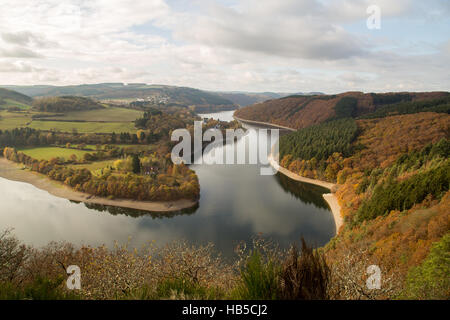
column 65, row 104
column 244, row 99
column 300, row 111
column 153, row 94
column 9, row 98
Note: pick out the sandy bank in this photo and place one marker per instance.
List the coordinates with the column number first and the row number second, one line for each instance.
column 267, row 124
column 12, row 171
column 330, row 198
column 333, row 202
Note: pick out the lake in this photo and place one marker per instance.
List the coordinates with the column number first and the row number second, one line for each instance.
column 236, row 204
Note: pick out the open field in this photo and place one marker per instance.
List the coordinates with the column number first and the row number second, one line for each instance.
column 84, row 127
column 11, row 120
column 106, row 120
column 11, row 103
column 94, row 165
column 46, row 153
column 134, row 147
column 87, row 146
column 137, row 147
column 109, row 114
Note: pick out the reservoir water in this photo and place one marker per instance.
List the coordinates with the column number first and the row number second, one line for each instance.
column 236, row 204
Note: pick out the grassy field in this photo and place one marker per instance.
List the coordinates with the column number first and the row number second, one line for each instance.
column 137, row 147
column 84, row 127
column 11, row 120
column 121, row 121
column 46, row 153
column 94, row 165
column 11, row 103
column 109, row 114
column 87, row 146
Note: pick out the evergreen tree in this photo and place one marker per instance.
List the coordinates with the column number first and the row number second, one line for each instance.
column 136, row 164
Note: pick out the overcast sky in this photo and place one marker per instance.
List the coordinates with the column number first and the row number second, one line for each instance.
column 243, row 45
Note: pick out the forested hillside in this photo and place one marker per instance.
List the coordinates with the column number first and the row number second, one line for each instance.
column 393, row 177
column 244, row 99
column 151, row 94
column 302, row 111
column 318, row 143
column 440, row 105
column 9, row 98
column 65, row 104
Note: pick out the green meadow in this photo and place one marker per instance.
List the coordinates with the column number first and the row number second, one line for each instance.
column 11, row 103
column 109, row 114
column 47, row 153
column 84, row 127
column 93, row 166
column 110, row 119
column 11, row 120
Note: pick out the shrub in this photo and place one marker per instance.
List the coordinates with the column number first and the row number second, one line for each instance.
column 174, row 288
column 305, row 275
column 431, row 279
column 13, row 255
column 40, row 289
column 259, row 279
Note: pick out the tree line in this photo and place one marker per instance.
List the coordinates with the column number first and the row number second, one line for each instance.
column 65, row 104
column 380, row 99
column 318, row 151
column 439, row 105
column 178, row 182
column 23, row 137
column 402, row 195
column 346, row 107
column 428, row 172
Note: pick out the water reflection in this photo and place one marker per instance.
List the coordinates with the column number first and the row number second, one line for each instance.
column 236, row 203
column 307, row 193
column 135, row 213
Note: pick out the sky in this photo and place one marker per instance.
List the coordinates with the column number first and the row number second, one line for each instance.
column 226, row 45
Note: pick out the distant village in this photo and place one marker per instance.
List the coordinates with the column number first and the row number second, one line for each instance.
column 161, row 99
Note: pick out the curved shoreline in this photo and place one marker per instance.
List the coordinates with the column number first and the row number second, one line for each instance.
column 330, row 198
column 12, row 171
column 263, row 123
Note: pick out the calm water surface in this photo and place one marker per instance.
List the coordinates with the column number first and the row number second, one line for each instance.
column 236, row 204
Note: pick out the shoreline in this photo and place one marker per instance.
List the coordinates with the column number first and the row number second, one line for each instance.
column 13, row 171
column 330, row 198
column 263, row 123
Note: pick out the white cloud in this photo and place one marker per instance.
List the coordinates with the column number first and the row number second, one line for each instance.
column 25, row 38
column 255, row 45
column 290, row 37
column 18, row 67
column 18, row 52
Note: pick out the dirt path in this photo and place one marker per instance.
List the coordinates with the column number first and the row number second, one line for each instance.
column 16, row 172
